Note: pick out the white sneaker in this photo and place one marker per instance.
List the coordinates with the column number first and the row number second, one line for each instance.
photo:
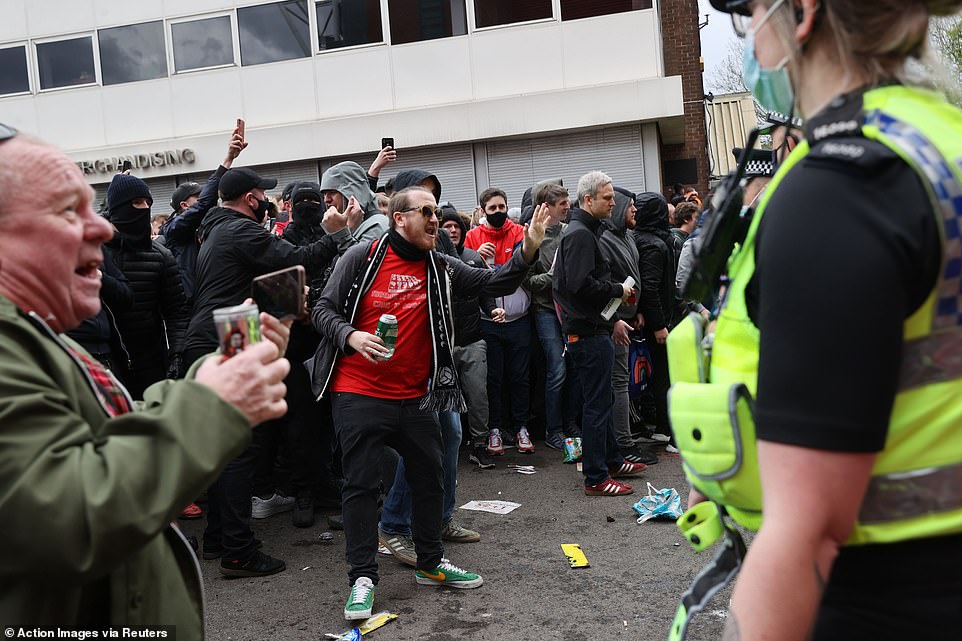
column 263, row 508
column 671, row 449
column 525, row 445
column 495, row 446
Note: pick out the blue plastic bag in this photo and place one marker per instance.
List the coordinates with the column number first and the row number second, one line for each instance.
column 664, row 504
column 639, row 366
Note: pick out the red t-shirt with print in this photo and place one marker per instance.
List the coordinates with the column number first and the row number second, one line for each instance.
column 400, row 288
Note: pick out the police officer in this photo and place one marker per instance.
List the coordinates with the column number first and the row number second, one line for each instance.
column 844, row 318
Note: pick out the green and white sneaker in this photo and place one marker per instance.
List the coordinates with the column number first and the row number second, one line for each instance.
column 449, row 574
column 361, row 601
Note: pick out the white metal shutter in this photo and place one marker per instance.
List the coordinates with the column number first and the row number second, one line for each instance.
column 161, row 189
column 516, row 165
column 452, row 164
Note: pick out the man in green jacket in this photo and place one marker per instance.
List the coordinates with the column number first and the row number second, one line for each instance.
column 90, row 487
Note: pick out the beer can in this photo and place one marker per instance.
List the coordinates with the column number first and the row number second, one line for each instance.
column 387, row 332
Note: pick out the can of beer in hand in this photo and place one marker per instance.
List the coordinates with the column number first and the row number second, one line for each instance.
column 387, row 332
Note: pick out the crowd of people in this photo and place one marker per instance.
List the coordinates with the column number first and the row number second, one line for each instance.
column 469, row 290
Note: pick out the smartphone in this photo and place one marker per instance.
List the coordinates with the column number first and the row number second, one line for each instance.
column 126, row 166
column 241, row 127
column 280, row 293
column 387, row 142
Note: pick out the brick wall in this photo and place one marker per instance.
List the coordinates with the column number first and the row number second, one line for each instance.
column 682, row 52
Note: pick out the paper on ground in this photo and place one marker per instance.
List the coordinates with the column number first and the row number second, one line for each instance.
column 494, row 507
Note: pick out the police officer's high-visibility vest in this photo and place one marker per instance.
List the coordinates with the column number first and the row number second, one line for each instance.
column 916, row 486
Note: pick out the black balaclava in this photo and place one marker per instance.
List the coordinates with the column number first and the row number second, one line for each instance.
column 132, row 223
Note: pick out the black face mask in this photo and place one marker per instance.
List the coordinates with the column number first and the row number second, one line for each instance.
column 497, row 219
column 131, row 222
column 307, row 212
column 263, row 206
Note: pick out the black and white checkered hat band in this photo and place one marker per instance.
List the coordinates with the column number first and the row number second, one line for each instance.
column 760, row 168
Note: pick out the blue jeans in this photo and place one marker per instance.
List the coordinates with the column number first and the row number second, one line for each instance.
column 397, row 510
column 508, row 343
column 561, row 397
column 594, row 356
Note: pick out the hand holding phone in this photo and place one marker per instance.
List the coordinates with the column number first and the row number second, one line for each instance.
column 387, row 142
column 280, row 293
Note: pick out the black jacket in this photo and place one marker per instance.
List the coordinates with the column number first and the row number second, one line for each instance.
column 582, row 283
column 99, row 334
column 334, row 328
column 234, row 250
column 158, row 304
column 180, row 232
column 659, row 300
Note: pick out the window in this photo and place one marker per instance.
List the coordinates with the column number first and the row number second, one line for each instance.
column 65, row 63
column 345, row 23
column 574, row 9
column 489, row 13
column 132, row 53
column 274, row 32
column 13, row 70
column 416, row 20
column 199, row 44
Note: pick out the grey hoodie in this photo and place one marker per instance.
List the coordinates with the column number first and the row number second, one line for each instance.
column 350, row 179
column 619, row 249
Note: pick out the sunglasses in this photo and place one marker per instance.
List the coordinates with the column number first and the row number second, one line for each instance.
column 426, row 210
column 6, row 132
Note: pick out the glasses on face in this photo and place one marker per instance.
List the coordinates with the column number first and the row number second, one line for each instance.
column 426, row 210
column 6, row 132
column 743, row 24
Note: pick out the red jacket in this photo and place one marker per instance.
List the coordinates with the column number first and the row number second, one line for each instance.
column 505, row 240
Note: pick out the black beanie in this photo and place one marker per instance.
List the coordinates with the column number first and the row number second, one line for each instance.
column 124, row 188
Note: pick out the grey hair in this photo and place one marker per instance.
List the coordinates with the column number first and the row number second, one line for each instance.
column 590, row 183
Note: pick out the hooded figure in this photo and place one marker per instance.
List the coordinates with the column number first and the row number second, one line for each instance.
column 154, row 326
column 659, row 302
column 350, row 179
column 619, row 249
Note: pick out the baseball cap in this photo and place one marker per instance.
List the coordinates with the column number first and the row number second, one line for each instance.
column 182, row 193
column 241, row 180
column 733, row 6
column 289, row 189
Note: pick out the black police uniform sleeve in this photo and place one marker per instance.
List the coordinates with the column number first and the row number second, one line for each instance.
column 848, row 250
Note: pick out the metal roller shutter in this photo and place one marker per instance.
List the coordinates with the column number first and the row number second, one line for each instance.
column 161, row 189
column 452, row 164
column 516, row 165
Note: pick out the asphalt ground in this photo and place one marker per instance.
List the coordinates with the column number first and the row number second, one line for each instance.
column 630, row 590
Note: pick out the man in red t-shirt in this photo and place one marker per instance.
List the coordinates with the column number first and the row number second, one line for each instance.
column 379, row 398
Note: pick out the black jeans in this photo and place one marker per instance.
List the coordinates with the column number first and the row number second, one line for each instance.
column 509, row 344
column 364, row 425
column 593, row 357
column 229, row 497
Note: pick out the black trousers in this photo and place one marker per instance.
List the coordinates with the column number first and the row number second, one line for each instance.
column 364, row 425
column 660, row 382
column 229, row 497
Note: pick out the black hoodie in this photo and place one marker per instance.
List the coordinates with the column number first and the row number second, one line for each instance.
column 414, row 177
column 467, row 311
column 659, row 303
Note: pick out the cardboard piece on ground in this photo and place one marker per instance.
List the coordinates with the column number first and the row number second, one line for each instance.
column 576, row 556
column 367, row 625
column 494, row 507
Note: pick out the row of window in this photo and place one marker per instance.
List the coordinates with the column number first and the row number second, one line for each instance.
column 264, row 33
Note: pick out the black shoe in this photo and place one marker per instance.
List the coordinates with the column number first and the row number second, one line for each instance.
column 212, row 552
column 573, row 431
column 258, row 565
column 335, row 522
column 639, row 455
column 479, row 456
column 303, row 514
